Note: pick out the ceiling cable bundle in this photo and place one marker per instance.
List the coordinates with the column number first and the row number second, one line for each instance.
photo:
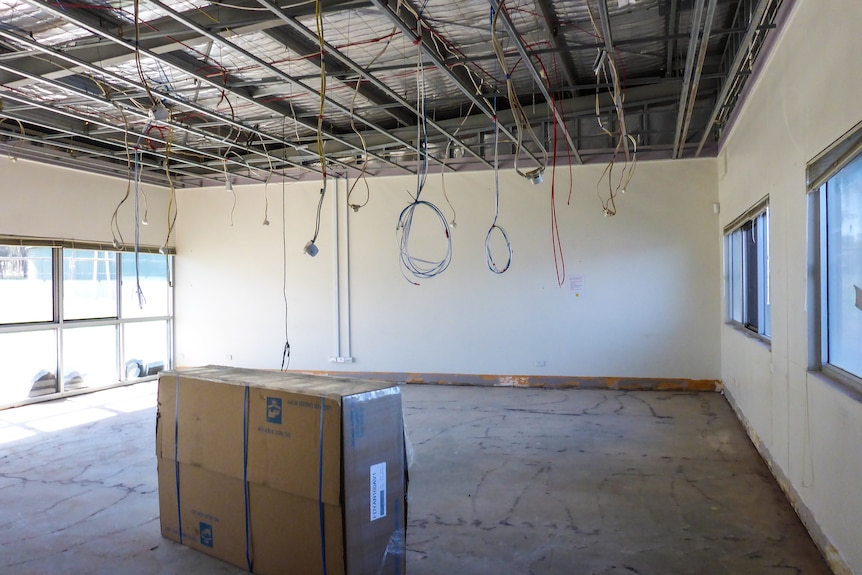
column 522, row 122
column 420, row 267
column 605, row 68
column 489, row 258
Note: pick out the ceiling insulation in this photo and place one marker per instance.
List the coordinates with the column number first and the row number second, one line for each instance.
column 196, row 90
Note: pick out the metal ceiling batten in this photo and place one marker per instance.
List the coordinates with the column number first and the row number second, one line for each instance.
column 96, row 121
column 66, row 68
column 698, row 70
column 291, row 80
column 510, row 28
column 118, row 78
column 736, row 67
column 447, row 69
column 697, row 16
column 302, row 30
column 130, row 46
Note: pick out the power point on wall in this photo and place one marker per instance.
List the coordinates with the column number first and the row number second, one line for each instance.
column 540, row 363
column 716, row 208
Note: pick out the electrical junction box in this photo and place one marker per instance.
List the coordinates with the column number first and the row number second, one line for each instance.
column 283, row 473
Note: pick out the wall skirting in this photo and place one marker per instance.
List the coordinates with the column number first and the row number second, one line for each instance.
column 535, row 381
column 829, row 552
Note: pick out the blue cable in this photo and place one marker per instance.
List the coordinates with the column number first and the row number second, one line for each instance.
column 248, row 561
column 320, row 492
column 176, row 455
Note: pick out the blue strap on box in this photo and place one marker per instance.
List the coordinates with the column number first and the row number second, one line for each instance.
column 248, row 560
column 320, row 491
column 176, row 455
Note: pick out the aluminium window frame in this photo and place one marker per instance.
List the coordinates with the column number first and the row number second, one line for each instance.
column 819, row 171
column 59, row 324
column 762, row 330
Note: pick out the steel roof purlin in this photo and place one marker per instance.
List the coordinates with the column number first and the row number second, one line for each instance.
column 247, row 89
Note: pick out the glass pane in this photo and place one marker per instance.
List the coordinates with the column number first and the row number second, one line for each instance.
column 152, row 275
column 89, row 356
column 28, row 364
column 146, row 348
column 26, row 284
column 89, row 284
column 764, row 318
column 844, row 267
column 736, row 276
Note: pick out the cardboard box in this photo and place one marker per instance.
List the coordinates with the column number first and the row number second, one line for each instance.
column 283, row 473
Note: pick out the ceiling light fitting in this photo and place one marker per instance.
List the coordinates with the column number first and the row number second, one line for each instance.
column 535, row 176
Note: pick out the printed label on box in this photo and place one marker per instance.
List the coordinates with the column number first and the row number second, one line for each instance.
column 206, row 534
column 378, row 491
column 273, row 410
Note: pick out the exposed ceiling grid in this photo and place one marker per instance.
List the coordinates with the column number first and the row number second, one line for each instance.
column 241, row 81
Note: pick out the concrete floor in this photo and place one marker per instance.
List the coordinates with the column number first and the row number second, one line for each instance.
column 504, row 481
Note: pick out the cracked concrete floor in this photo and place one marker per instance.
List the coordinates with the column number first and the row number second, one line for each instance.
column 504, row 481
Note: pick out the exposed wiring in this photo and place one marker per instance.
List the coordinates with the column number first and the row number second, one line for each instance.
column 606, row 69
column 266, row 183
column 285, row 354
column 317, row 217
column 556, row 243
column 172, row 203
column 522, row 122
column 117, row 234
column 138, row 289
column 318, row 18
column 453, row 222
column 20, row 127
column 421, row 267
column 138, row 64
column 489, row 257
column 356, row 206
column 229, row 188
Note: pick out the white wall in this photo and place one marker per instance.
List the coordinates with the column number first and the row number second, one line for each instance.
column 38, row 200
column 650, row 307
column 806, row 97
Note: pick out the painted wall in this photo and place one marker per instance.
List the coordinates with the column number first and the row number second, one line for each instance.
column 650, row 305
column 37, row 200
column 806, row 97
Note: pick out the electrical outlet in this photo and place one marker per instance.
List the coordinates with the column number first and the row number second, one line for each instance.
column 540, row 363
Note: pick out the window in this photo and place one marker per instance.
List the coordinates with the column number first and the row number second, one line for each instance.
column 835, row 210
column 96, row 316
column 746, row 249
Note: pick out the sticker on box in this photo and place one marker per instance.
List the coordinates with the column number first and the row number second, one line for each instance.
column 273, row 410
column 206, row 534
column 378, row 491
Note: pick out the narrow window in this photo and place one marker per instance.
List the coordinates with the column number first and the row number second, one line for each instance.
column 746, row 248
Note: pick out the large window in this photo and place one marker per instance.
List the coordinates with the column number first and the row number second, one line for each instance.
column 76, row 317
column 746, row 249
column 836, row 220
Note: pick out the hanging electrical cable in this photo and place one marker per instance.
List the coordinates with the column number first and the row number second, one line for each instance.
column 266, row 183
column 311, row 247
column 355, row 206
column 285, row 354
column 138, row 289
column 421, row 267
column 606, row 69
column 522, row 122
column 117, row 234
column 489, row 257
column 228, row 186
column 318, row 17
column 172, row 202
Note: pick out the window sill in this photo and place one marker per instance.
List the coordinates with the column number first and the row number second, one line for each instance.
column 739, row 328
column 846, row 383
